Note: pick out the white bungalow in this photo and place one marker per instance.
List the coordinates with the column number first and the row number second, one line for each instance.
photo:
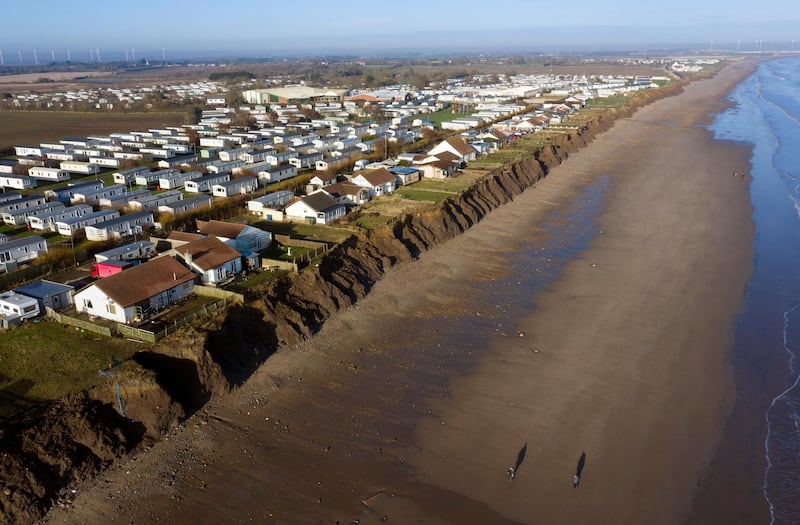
column 138, row 292
column 212, row 259
column 379, row 181
column 319, row 208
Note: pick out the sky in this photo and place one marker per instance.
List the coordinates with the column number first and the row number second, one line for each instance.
column 248, row 28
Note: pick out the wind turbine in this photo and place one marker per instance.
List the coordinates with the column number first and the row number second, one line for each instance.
column 69, row 58
column 2, row 62
column 19, row 52
column 53, row 55
column 133, row 53
column 126, row 55
column 35, row 57
column 98, row 54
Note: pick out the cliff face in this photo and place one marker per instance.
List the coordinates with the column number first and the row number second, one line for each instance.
column 71, row 440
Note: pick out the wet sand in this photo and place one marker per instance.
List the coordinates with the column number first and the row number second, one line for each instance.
column 410, row 406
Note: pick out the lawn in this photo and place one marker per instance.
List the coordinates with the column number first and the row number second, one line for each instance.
column 423, row 195
column 46, row 360
column 301, row 230
column 445, row 114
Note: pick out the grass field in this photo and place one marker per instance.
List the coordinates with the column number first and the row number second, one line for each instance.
column 45, row 360
column 32, row 127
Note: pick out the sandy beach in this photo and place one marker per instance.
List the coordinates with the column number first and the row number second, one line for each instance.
column 409, row 407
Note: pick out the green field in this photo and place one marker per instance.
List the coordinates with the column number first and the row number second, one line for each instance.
column 32, row 127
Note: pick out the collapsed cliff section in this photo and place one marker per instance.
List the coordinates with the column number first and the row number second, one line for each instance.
column 63, row 443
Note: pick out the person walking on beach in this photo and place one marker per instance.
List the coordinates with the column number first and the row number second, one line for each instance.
column 512, row 472
column 576, row 479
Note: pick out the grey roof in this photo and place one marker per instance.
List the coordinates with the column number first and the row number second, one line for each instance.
column 43, row 288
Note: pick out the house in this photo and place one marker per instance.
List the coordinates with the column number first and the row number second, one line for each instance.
column 348, row 194
column 270, row 206
column 240, row 186
column 212, row 259
column 456, row 146
column 18, row 251
column 204, row 183
column 241, row 237
column 437, row 169
column 48, row 294
column 17, row 305
column 137, row 293
column 320, row 179
column 127, row 225
column 379, row 181
column 405, row 174
column 319, row 207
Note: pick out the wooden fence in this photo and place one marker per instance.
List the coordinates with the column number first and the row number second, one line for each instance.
column 72, row 321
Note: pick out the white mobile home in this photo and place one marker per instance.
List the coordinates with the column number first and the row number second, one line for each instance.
column 48, row 174
column 131, row 224
column 18, row 217
column 121, row 200
column 128, row 176
column 204, row 183
column 150, row 178
column 47, row 221
column 66, row 193
column 105, row 162
column 21, row 202
column 17, row 251
column 71, row 226
column 268, row 175
column 270, row 206
column 129, row 252
column 173, row 181
column 225, row 166
column 18, row 182
column 93, row 195
column 12, row 304
column 153, row 201
column 184, row 205
column 82, row 168
column 240, row 186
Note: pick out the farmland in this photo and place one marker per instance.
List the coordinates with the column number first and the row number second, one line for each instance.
column 32, row 127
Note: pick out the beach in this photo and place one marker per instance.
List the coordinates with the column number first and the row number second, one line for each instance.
column 594, row 314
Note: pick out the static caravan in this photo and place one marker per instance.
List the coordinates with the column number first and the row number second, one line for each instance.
column 158, row 153
column 82, row 168
column 66, row 193
column 240, row 186
column 71, row 226
column 129, row 252
column 19, row 217
column 276, row 173
column 106, row 162
column 226, row 166
column 12, row 303
column 151, row 177
column 21, row 202
column 128, row 176
column 204, row 183
column 122, row 200
column 47, row 221
column 18, row 182
column 173, row 181
column 21, row 250
column 93, row 195
column 153, row 201
column 131, row 224
column 48, row 174
column 29, row 151
column 186, row 205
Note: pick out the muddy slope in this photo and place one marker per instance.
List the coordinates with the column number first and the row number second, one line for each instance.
column 60, row 444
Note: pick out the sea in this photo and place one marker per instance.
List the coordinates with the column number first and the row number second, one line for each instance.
column 765, row 114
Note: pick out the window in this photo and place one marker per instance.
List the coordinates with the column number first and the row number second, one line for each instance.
column 87, row 303
column 29, row 309
column 111, row 308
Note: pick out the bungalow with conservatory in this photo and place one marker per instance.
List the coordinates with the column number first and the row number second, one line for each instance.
column 127, row 225
column 317, row 208
column 212, row 259
column 437, row 169
column 18, row 251
column 138, row 292
column 205, row 183
column 379, row 181
column 241, row 237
